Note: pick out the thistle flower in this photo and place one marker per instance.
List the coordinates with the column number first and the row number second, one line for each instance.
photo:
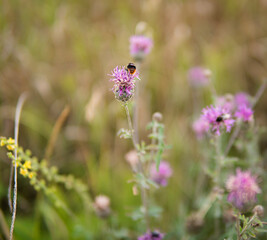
column 155, row 235
column 124, row 83
column 161, row 175
column 218, row 118
column 140, row 46
column 243, row 189
column 199, row 77
column 102, row 206
column 242, row 98
column 244, row 112
column 200, row 127
column 227, row 101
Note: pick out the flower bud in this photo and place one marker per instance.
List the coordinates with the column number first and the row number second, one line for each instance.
column 102, row 206
column 259, row 210
column 157, row 116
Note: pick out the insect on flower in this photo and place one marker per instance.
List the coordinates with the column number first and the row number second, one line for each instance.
column 131, row 68
column 222, row 117
column 124, row 81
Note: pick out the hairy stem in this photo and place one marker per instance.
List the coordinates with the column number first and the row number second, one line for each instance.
column 19, row 106
column 248, row 225
column 218, row 160
column 130, row 125
column 144, row 196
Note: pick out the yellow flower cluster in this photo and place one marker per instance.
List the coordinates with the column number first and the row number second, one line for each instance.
column 24, row 170
column 26, row 167
column 9, row 143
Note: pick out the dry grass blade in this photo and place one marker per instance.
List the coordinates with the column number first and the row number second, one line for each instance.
column 57, row 127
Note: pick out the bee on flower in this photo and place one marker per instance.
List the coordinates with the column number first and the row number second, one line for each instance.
column 124, row 82
column 218, row 119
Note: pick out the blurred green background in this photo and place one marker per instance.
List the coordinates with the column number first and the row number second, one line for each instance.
column 61, row 53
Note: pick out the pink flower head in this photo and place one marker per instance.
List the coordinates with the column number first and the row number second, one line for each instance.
column 243, row 189
column 244, row 112
column 227, row 102
column 161, row 175
column 140, row 46
column 198, row 76
column 124, row 83
column 242, row 98
column 200, row 127
column 156, row 235
column 218, row 118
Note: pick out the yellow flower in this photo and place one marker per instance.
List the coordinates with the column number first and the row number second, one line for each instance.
column 2, row 143
column 10, row 147
column 23, row 172
column 27, row 165
column 10, row 141
column 31, row 175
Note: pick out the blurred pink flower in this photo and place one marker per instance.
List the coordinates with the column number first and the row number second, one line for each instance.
column 242, row 98
column 140, row 46
column 161, row 175
column 243, row 189
column 245, row 113
column 198, row 76
column 200, row 127
column 227, row 101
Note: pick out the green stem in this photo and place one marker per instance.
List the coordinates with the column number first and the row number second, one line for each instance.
column 144, row 196
column 130, row 125
column 248, row 225
column 238, row 227
column 218, row 160
column 20, row 103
